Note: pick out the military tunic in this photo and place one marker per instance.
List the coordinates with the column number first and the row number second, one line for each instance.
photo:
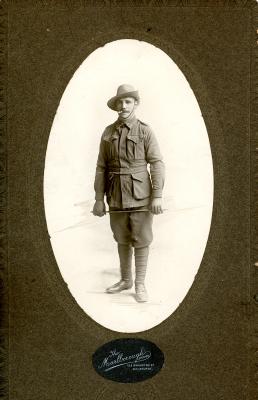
column 121, row 174
column 125, row 151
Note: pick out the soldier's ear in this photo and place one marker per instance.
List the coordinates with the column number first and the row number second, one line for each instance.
column 136, row 102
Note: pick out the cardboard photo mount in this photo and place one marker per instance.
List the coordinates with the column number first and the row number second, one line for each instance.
column 210, row 343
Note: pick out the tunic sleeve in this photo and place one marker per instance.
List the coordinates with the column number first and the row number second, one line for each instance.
column 100, row 176
column 157, row 167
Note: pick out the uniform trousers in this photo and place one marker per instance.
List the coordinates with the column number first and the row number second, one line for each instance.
column 132, row 228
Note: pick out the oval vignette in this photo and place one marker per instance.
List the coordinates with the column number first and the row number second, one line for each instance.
column 83, row 245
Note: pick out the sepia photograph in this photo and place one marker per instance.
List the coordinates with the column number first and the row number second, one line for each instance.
column 128, row 186
column 128, row 174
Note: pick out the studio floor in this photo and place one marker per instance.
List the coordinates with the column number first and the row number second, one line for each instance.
column 87, row 257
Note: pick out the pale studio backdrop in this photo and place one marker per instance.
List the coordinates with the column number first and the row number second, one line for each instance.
column 83, row 245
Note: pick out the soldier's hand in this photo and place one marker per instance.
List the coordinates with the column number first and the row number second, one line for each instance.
column 99, row 208
column 156, row 206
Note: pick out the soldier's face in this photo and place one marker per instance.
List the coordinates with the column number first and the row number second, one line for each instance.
column 126, row 106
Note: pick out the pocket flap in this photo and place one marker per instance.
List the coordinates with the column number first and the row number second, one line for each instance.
column 133, row 138
column 141, row 185
column 139, row 176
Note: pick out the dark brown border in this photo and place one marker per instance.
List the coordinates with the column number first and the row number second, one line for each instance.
column 37, row 219
column 252, row 306
column 4, row 339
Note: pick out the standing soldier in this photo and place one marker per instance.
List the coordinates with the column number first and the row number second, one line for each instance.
column 127, row 146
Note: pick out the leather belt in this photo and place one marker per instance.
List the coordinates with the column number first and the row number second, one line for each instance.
column 128, row 171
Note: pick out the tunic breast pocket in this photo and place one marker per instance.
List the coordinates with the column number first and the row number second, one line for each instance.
column 135, row 148
column 141, row 185
column 139, row 150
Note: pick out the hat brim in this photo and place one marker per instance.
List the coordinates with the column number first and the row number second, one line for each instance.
column 112, row 102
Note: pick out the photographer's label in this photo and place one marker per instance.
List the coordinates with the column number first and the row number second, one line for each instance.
column 128, row 360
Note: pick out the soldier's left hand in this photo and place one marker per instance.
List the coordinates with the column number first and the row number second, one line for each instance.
column 156, row 205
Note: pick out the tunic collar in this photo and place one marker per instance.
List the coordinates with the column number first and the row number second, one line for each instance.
column 128, row 122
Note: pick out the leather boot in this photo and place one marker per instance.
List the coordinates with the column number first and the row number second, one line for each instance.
column 141, row 294
column 119, row 286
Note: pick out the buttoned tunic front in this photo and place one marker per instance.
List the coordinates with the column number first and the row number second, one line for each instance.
column 126, row 148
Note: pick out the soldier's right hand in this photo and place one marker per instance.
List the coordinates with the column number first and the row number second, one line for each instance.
column 99, row 208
